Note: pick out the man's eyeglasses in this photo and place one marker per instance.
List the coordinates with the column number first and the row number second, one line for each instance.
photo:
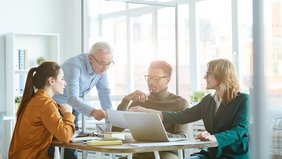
column 154, row 78
column 102, row 63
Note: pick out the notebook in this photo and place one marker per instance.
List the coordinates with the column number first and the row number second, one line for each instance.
column 147, row 127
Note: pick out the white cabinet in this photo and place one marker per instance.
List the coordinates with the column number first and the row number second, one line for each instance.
column 22, row 51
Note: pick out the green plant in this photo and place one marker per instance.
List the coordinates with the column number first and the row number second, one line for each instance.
column 18, row 99
column 40, row 60
column 197, row 96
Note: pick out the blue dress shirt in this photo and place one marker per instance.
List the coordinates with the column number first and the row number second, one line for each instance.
column 81, row 78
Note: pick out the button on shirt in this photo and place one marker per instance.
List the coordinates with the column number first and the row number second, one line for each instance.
column 80, row 79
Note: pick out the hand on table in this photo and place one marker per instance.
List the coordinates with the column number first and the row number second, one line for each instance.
column 205, row 136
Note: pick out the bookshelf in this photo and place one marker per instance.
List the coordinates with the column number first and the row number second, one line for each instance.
column 21, row 53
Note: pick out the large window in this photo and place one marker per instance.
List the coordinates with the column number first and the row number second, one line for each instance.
column 141, row 33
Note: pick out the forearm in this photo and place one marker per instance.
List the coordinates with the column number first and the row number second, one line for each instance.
column 80, row 105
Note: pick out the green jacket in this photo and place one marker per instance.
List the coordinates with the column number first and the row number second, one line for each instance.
column 229, row 125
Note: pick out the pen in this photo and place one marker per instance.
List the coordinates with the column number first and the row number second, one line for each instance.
column 128, row 105
column 99, row 128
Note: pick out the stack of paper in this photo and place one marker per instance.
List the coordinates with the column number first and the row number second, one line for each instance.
column 114, row 135
column 104, row 142
column 87, row 138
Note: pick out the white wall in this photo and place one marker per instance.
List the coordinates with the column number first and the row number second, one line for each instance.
column 38, row 16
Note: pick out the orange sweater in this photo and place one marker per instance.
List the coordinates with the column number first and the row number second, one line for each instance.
column 36, row 126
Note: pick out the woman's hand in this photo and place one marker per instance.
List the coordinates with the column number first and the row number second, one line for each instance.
column 64, row 108
column 205, row 136
column 142, row 109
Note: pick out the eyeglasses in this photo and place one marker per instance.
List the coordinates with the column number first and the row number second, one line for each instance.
column 154, row 78
column 103, row 64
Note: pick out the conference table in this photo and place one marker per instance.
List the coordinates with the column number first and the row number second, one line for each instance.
column 132, row 146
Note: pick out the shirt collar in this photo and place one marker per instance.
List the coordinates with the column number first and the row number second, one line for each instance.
column 89, row 66
column 216, row 99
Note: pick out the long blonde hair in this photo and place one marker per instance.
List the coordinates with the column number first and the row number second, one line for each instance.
column 224, row 72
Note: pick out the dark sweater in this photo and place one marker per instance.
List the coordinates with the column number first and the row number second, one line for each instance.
column 163, row 101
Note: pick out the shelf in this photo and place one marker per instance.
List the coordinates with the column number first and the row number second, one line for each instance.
column 22, row 51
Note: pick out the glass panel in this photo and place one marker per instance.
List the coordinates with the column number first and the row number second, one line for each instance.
column 245, row 44
column 102, row 7
column 273, row 53
column 147, row 41
column 214, row 36
column 141, row 49
column 183, row 45
column 166, row 40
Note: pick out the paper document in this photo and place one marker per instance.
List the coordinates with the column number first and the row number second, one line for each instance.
column 117, row 119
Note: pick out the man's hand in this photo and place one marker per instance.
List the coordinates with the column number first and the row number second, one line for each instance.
column 98, row 114
column 137, row 96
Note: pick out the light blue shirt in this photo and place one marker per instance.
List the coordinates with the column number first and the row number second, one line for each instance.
column 81, row 78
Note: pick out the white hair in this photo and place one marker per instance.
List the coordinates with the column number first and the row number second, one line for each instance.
column 101, row 46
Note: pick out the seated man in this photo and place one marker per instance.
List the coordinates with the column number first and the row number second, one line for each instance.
column 158, row 98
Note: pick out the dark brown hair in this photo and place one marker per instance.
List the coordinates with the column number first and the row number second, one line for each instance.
column 37, row 80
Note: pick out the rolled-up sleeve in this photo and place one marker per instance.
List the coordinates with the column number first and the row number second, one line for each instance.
column 104, row 93
column 72, row 75
column 62, row 128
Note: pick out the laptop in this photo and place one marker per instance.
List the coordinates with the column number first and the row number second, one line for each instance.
column 147, row 127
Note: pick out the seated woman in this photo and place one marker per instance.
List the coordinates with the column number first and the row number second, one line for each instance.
column 38, row 116
column 225, row 114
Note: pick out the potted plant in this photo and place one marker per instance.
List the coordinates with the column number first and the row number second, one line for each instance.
column 40, row 60
column 197, row 96
column 18, row 100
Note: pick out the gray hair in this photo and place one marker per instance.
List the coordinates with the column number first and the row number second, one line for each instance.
column 101, row 46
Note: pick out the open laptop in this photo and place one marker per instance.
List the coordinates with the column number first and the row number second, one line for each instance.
column 147, row 127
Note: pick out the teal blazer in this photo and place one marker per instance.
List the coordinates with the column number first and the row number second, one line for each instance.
column 229, row 125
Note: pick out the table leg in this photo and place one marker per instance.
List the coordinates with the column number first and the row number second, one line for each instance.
column 157, row 155
column 130, row 156
column 180, row 154
column 62, row 152
column 84, row 154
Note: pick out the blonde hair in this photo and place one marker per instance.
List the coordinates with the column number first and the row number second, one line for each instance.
column 224, row 72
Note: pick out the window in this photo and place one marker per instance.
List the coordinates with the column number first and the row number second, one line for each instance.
column 141, row 33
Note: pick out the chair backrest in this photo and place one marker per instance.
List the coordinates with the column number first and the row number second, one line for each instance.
column 277, row 137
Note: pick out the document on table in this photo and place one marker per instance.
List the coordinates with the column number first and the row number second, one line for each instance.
column 172, row 143
column 159, row 144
